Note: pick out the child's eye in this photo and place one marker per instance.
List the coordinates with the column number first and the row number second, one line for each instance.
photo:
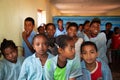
column 92, row 51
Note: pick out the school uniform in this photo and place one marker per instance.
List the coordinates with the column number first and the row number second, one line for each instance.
column 27, row 51
column 53, row 72
column 32, row 68
column 58, row 32
column 100, row 41
column 9, row 70
column 104, row 74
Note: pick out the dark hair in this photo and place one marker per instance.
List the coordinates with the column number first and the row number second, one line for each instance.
column 62, row 40
column 30, row 19
column 39, row 27
column 59, row 20
column 72, row 24
column 86, row 22
column 80, row 25
column 7, row 43
column 108, row 23
column 49, row 24
column 95, row 20
column 86, row 43
column 116, row 28
column 41, row 34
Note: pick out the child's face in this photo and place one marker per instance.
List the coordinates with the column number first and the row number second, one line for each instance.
column 50, row 30
column 60, row 24
column 72, row 31
column 95, row 29
column 28, row 26
column 11, row 54
column 87, row 27
column 89, row 54
column 40, row 45
column 69, row 50
column 41, row 30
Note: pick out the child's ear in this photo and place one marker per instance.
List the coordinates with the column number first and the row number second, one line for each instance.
column 60, row 50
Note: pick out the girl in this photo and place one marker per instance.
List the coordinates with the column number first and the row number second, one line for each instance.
column 33, row 66
column 62, row 66
column 11, row 64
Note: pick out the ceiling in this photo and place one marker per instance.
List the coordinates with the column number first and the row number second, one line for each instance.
column 86, row 6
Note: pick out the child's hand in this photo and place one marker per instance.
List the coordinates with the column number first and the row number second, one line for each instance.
column 24, row 35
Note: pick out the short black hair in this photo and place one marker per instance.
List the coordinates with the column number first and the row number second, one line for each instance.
column 95, row 20
column 39, row 27
column 62, row 40
column 7, row 43
column 116, row 28
column 108, row 23
column 86, row 22
column 86, row 43
column 59, row 20
column 30, row 19
column 72, row 24
column 49, row 24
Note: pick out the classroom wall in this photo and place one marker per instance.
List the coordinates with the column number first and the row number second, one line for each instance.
column 13, row 13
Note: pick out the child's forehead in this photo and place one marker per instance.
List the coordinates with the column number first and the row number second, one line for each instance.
column 88, row 47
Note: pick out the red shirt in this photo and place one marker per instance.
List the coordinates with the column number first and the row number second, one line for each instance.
column 115, row 41
column 96, row 74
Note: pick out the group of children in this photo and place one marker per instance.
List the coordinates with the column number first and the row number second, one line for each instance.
column 74, row 58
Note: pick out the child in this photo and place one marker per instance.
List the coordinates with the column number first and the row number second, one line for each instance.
column 80, row 31
column 50, row 31
column 40, row 30
column 11, row 64
column 60, row 30
column 93, row 68
column 98, row 38
column 86, row 31
column 115, row 45
column 33, row 66
column 72, row 32
column 62, row 67
column 27, row 36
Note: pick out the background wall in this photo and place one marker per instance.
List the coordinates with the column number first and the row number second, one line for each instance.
column 115, row 20
column 13, row 13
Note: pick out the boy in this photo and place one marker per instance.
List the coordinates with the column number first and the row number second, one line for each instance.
column 93, row 68
column 27, row 36
column 98, row 38
column 60, row 30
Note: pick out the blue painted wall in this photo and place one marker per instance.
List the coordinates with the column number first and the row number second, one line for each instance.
column 115, row 20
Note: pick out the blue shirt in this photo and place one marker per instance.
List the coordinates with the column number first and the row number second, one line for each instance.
column 106, row 73
column 10, row 71
column 27, row 51
column 32, row 68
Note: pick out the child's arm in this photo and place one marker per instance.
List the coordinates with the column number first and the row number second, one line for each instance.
column 24, row 35
column 24, row 72
column 76, row 69
column 106, row 72
column 49, row 71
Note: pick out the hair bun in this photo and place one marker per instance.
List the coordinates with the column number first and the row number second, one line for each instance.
column 4, row 40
